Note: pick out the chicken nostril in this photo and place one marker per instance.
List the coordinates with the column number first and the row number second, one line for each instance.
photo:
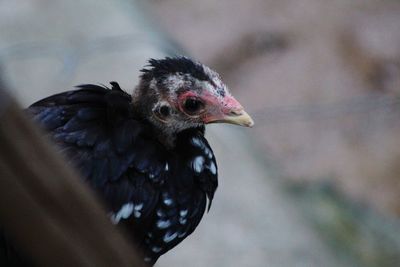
column 236, row 112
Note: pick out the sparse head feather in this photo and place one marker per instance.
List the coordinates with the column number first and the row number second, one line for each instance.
column 177, row 93
column 161, row 67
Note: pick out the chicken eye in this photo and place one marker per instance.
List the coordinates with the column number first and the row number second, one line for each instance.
column 162, row 112
column 193, row 105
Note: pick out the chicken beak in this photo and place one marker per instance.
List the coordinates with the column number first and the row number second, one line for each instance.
column 227, row 110
column 238, row 117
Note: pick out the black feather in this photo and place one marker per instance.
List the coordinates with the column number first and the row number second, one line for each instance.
column 119, row 155
column 170, row 65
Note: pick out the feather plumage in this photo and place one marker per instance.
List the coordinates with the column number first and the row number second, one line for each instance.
column 152, row 190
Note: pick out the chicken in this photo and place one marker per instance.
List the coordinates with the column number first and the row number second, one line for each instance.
column 145, row 154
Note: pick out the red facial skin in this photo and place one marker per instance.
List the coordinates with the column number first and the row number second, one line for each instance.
column 216, row 108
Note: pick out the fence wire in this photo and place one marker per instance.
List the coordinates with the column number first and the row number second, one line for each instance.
column 371, row 105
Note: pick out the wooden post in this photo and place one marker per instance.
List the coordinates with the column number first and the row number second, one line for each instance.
column 50, row 214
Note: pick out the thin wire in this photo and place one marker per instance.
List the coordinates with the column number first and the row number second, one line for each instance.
column 70, row 57
column 366, row 105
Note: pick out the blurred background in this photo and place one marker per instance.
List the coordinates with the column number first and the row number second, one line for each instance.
column 317, row 181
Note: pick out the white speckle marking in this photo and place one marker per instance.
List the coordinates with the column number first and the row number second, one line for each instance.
column 175, row 80
column 160, row 213
column 208, row 152
column 183, row 213
column 168, row 201
column 156, row 249
column 147, row 259
column 197, row 164
column 213, row 168
column 138, row 207
column 137, row 210
column 197, row 142
column 182, row 234
column 162, row 224
column 125, row 211
column 166, row 167
column 168, row 237
column 182, row 220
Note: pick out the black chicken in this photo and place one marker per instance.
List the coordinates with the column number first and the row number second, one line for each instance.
column 146, row 154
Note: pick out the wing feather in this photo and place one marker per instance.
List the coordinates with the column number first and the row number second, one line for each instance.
column 97, row 130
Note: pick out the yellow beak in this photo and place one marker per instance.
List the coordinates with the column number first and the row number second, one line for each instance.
column 237, row 117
